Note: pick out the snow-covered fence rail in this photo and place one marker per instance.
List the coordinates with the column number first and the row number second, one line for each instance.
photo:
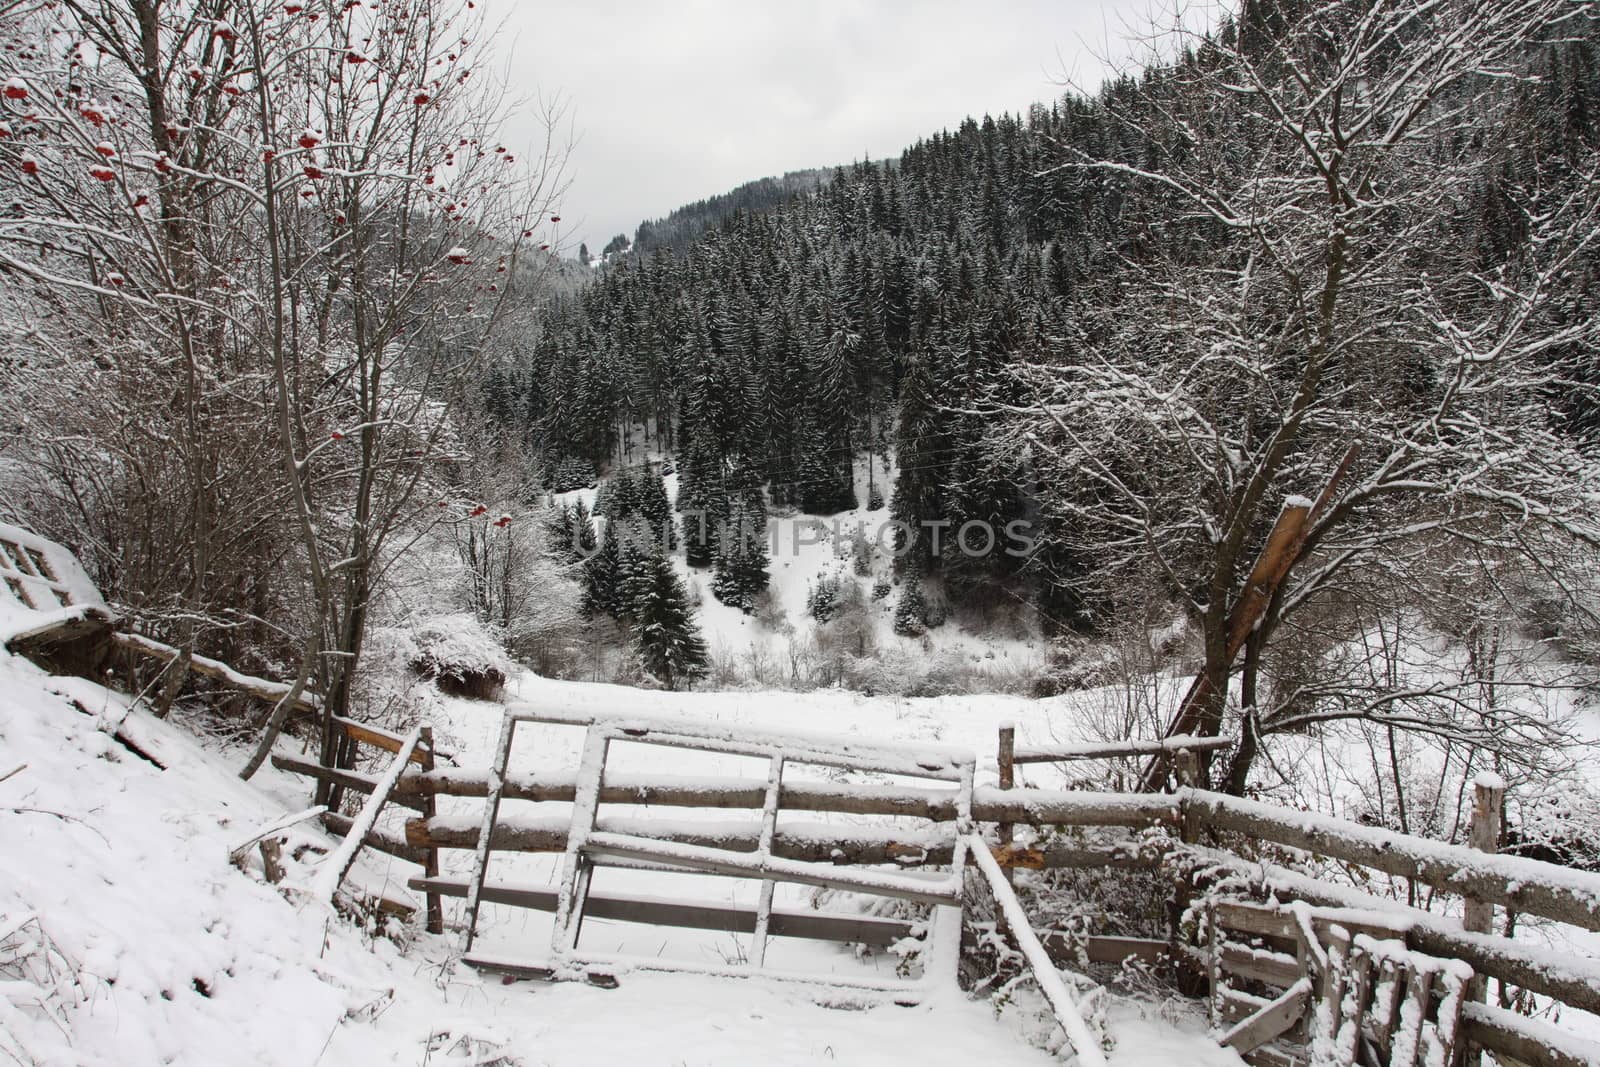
column 1521, row 885
column 337, row 865
column 1209, row 830
column 215, row 669
column 1524, row 885
column 816, row 843
column 1035, row 807
column 1167, row 747
column 419, row 754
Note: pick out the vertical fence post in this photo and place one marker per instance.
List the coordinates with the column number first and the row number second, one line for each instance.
column 1488, row 794
column 1005, row 762
column 1187, row 766
column 430, row 865
column 1008, row 780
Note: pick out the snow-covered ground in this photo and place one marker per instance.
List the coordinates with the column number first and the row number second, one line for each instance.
column 124, row 916
column 805, row 549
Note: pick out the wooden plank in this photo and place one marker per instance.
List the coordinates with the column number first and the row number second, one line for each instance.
column 1264, row 920
column 337, row 866
column 1274, row 1056
column 1084, row 1043
column 1259, row 965
column 1119, row 749
column 1529, row 1041
column 534, row 972
column 811, row 925
column 1272, row 1021
column 1100, row 949
column 377, row 737
column 353, row 780
column 782, row 868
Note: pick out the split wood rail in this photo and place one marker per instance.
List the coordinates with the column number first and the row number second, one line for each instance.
column 419, row 752
column 1212, row 838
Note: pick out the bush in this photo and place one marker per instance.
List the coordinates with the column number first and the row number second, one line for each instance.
column 460, row 655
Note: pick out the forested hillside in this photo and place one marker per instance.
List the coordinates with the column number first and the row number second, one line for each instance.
column 923, row 307
column 1324, row 252
column 683, row 226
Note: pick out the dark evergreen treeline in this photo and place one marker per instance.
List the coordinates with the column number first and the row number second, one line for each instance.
column 686, row 224
column 882, row 314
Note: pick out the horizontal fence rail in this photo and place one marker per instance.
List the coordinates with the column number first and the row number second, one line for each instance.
column 1205, row 828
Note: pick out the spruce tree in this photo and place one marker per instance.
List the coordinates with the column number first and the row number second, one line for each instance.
column 669, row 641
column 911, row 614
column 700, row 500
column 822, row 599
column 601, row 573
column 742, row 559
column 651, row 493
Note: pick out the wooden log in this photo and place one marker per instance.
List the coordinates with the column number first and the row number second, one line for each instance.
column 1528, row 1041
column 1032, row 807
column 355, row 780
column 1116, row 749
column 381, row 840
column 260, row 688
column 819, row 926
column 1006, row 765
column 1477, row 915
column 1284, row 543
column 1525, row 885
column 377, row 737
column 430, row 808
column 818, row 844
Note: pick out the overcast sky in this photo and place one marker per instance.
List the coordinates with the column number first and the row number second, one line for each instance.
column 675, row 101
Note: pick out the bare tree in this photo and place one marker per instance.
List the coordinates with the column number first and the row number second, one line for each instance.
column 1292, row 288
column 285, row 231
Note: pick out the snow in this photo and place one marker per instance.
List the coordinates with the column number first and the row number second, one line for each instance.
column 1489, row 780
column 1084, row 1043
column 806, row 548
column 161, row 951
column 41, row 585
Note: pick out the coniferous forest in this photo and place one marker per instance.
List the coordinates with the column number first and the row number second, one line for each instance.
column 1137, row 321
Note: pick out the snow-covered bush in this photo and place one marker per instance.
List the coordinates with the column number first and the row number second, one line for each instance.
column 461, row 655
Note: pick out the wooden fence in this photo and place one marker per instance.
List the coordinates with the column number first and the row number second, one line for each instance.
column 1212, row 836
